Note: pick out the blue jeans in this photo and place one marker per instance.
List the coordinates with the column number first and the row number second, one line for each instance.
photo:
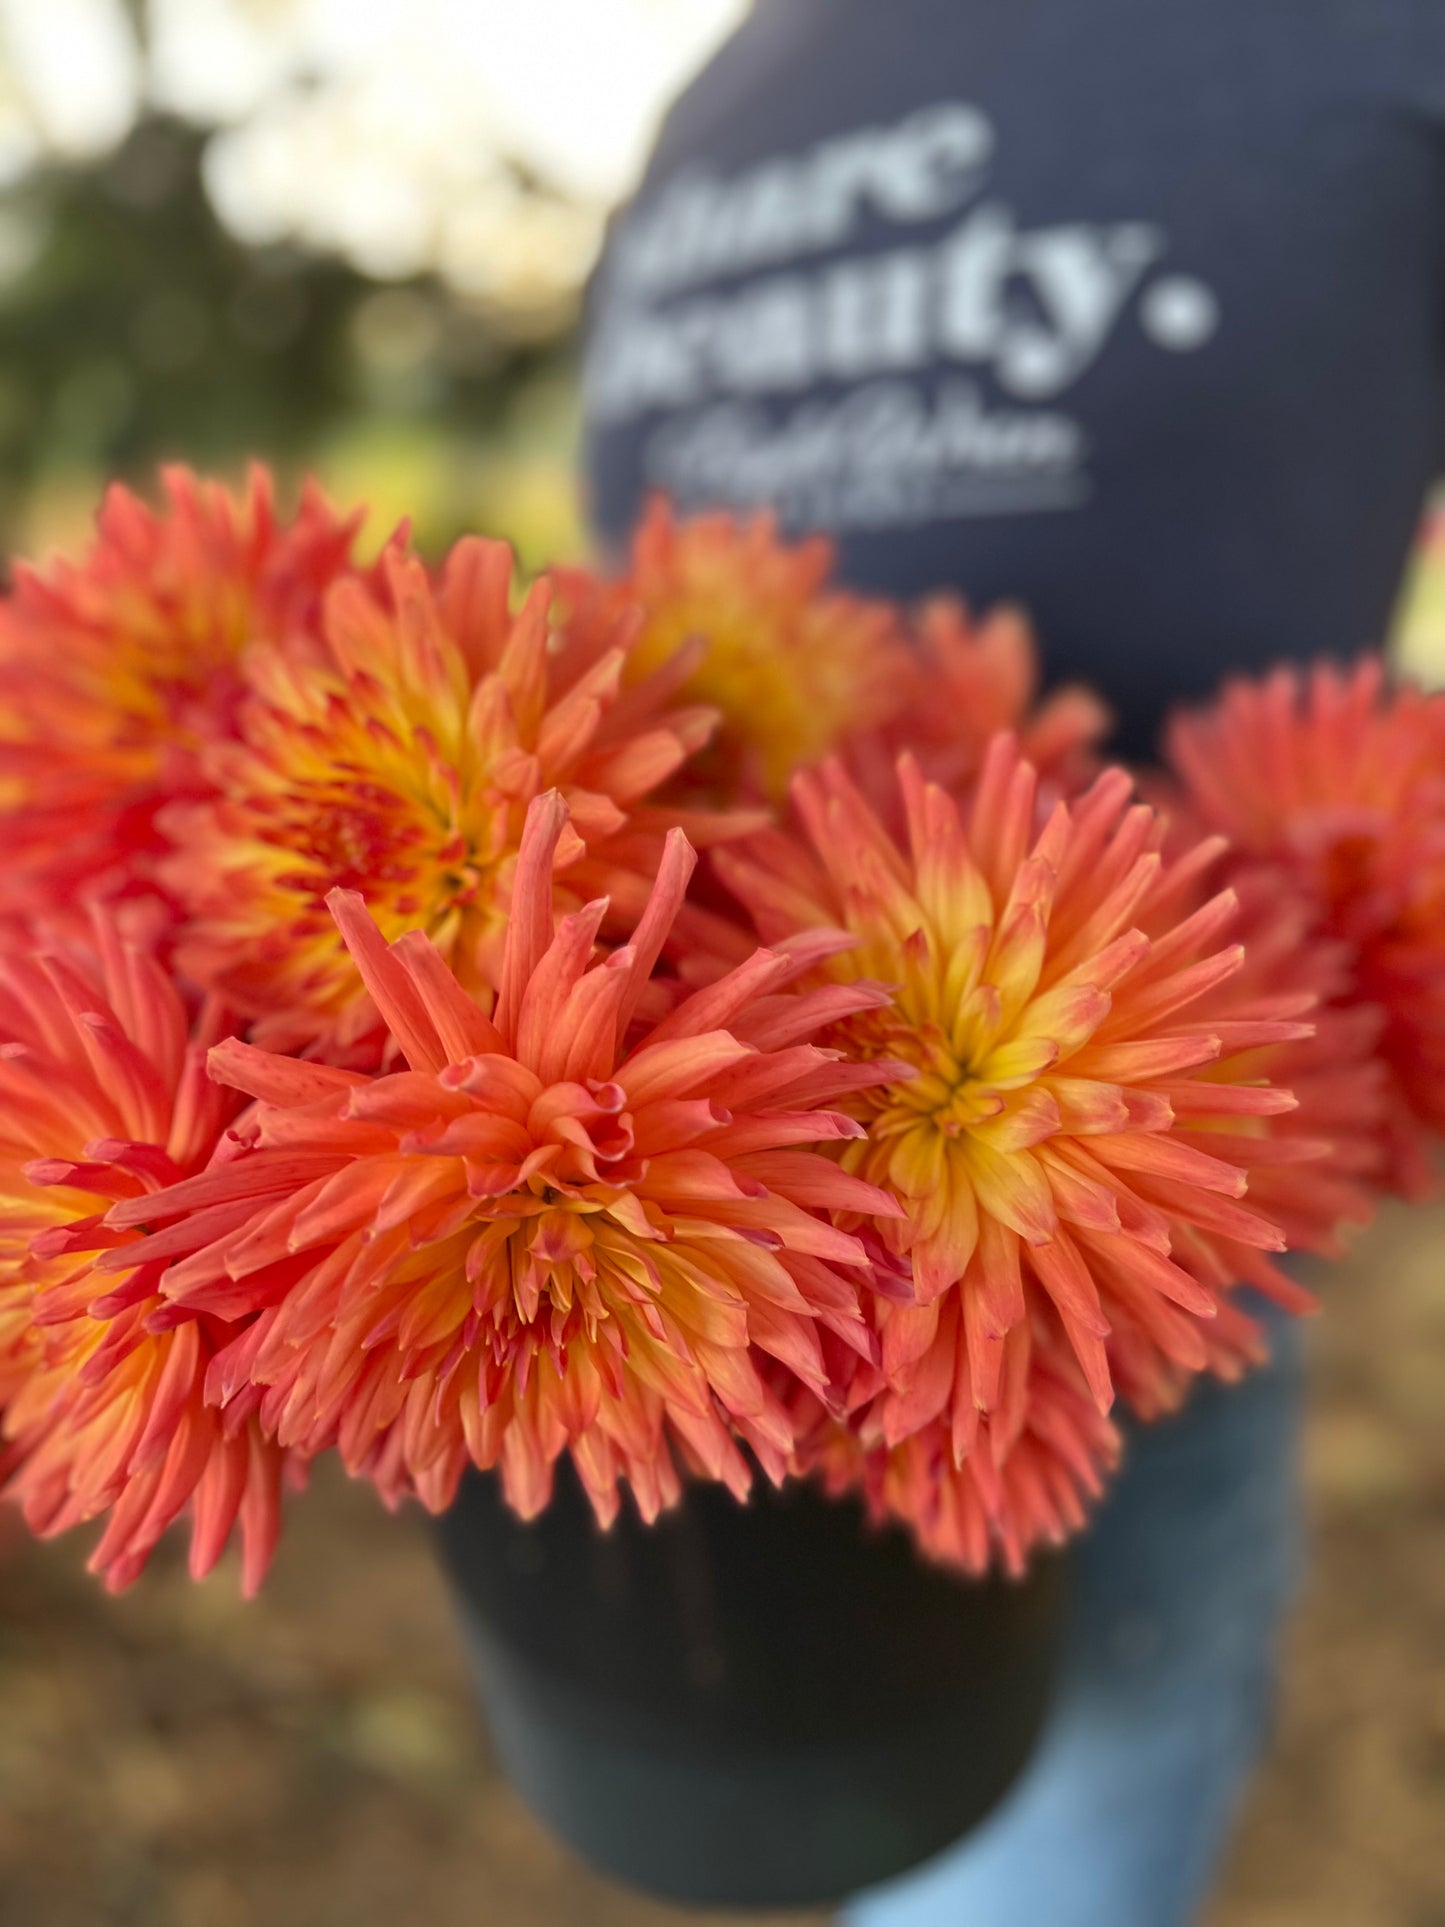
column 1168, row 1684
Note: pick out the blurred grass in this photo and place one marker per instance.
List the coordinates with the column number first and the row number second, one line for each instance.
column 518, row 482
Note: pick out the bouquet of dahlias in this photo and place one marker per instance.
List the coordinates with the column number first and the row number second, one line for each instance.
column 704, row 1023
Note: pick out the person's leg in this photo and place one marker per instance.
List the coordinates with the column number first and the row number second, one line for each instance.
column 1182, row 1586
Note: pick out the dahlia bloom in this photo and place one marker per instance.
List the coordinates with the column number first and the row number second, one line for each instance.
column 113, row 670
column 559, row 1229
column 1334, row 783
column 969, row 679
column 1313, row 1170
column 398, row 760
column 102, row 1408
column 1061, row 1150
column 1030, row 1479
column 747, row 623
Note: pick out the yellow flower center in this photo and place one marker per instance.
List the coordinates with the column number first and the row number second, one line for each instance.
column 948, row 1092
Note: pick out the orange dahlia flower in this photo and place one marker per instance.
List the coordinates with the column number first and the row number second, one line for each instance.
column 114, row 669
column 559, row 1229
column 1335, row 783
column 104, row 1096
column 1060, row 1139
column 1313, row 1170
column 971, row 678
column 399, row 761
column 747, row 623
column 1029, row 1480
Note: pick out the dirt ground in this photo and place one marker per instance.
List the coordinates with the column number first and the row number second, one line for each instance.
column 176, row 1758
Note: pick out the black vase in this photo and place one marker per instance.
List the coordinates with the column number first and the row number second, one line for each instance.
column 767, row 1705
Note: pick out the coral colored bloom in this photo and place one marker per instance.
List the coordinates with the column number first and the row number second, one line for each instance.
column 115, row 668
column 557, row 1230
column 749, row 624
column 1313, row 1170
column 401, row 765
column 104, row 1096
column 970, row 680
column 1058, row 1140
column 1335, row 783
column 1035, row 1470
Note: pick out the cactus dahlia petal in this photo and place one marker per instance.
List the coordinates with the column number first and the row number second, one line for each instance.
column 400, row 764
column 1035, row 1469
column 1314, row 1170
column 1056, row 1151
column 970, row 678
column 1335, row 784
column 106, row 1097
column 749, row 624
column 114, row 669
column 557, row 1230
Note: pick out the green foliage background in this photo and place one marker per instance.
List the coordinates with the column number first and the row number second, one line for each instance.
column 135, row 330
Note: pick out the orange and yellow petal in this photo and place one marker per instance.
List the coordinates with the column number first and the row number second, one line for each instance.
column 1057, row 1148
column 1330, row 783
column 398, row 760
column 104, row 1098
column 753, row 627
column 563, row 1227
column 115, row 669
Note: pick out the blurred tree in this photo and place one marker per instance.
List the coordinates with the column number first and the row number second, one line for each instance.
column 135, row 329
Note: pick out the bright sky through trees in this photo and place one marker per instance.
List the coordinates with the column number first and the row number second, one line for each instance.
column 484, row 139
